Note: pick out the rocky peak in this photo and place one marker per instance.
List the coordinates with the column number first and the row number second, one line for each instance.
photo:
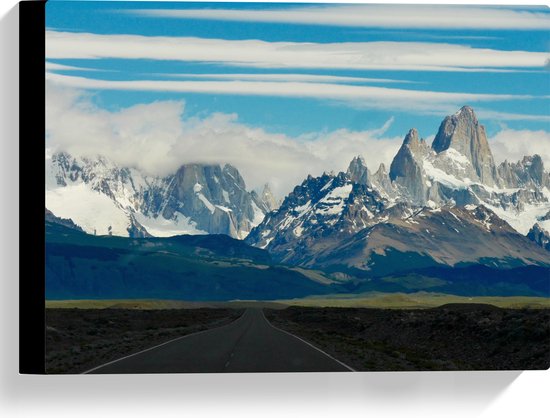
column 466, row 112
column 381, row 170
column 232, row 172
column 463, row 133
column 535, row 167
column 214, row 197
column 265, row 199
column 269, row 198
column 411, row 137
column 198, row 198
column 406, row 167
column 358, row 171
column 527, row 172
column 457, row 131
column 380, row 180
column 539, row 236
column 331, row 203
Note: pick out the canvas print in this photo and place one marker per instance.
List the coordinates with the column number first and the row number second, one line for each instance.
column 261, row 187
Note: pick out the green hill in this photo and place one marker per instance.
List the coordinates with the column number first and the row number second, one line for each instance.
column 207, row 267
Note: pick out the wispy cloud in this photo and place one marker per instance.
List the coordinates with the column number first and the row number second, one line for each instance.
column 384, row 128
column 420, row 34
column 162, row 132
column 52, row 66
column 411, row 101
column 375, row 15
column 168, row 138
column 417, row 56
column 306, row 78
column 495, row 115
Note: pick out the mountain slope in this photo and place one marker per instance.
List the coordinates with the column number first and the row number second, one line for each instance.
column 320, row 226
column 444, row 205
column 459, row 169
column 50, row 217
column 105, row 199
column 213, row 267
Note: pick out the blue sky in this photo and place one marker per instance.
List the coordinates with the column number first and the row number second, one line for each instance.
column 307, row 71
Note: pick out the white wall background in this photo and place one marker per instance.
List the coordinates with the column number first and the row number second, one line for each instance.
column 491, row 394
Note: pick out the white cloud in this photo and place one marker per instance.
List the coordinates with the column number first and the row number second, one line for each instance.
column 500, row 116
column 384, row 128
column 288, row 77
column 337, row 148
column 374, row 15
column 513, row 145
column 415, row 101
column 158, row 138
column 52, row 66
column 420, row 56
column 154, row 137
column 142, row 135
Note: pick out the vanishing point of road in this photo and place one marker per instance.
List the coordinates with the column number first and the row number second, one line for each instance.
column 248, row 344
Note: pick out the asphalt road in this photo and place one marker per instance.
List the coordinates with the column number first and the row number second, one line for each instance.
column 249, row 344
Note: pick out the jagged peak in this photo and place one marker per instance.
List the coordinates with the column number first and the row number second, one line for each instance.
column 466, row 135
column 463, row 121
column 526, row 161
column 359, row 159
column 357, row 163
column 266, row 197
column 466, row 112
column 411, row 137
column 228, row 167
column 358, row 171
column 532, row 159
column 267, row 193
column 325, row 177
column 381, row 169
column 414, row 144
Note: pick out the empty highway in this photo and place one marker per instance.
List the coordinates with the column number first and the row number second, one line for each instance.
column 249, row 344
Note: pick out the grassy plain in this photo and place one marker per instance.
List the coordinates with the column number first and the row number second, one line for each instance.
column 419, row 300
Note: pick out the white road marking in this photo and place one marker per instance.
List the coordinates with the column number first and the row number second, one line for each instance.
column 232, row 354
column 308, row 343
column 157, row 346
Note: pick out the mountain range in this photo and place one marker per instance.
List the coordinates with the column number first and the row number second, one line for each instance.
column 443, row 205
column 218, row 267
column 105, row 199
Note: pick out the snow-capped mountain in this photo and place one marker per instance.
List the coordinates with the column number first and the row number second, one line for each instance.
column 447, row 203
column 459, row 169
column 106, row 199
column 332, row 222
column 330, row 204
